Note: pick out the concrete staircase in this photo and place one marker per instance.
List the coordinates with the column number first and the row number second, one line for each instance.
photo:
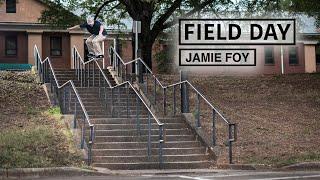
column 117, row 143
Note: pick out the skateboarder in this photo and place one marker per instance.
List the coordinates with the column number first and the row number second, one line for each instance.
column 98, row 34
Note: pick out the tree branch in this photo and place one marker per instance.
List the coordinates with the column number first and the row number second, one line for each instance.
column 101, row 7
column 163, row 18
column 196, row 9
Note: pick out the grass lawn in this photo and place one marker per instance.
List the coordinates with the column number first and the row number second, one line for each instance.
column 277, row 116
column 31, row 132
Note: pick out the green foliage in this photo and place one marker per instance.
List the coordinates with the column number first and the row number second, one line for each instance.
column 265, row 7
column 34, row 147
column 163, row 63
column 58, row 16
column 54, row 111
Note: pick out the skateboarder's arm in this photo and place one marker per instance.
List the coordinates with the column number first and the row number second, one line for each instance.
column 101, row 30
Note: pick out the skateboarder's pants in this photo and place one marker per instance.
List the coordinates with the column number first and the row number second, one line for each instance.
column 94, row 44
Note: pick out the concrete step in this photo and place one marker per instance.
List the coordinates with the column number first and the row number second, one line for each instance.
column 154, row 158
column 143, row 126
column 143, row 151
column 133, row 120
column 143, row 138
column 134, row 132
column 137, row 145
column 155, row 165
column 92, row 116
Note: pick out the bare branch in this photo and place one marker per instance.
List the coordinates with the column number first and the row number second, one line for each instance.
column 101, row 7
column 193, row 11
column 163, row 18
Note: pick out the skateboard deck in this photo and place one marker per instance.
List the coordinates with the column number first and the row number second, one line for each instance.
column 94, row 58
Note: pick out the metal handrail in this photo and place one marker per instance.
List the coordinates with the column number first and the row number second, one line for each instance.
column 171, row 85
column 39, row 63
column 232, row 126
column 135, row 60
column 77, row 63
column 161, row 134
column 127, row 82
column 201, row 95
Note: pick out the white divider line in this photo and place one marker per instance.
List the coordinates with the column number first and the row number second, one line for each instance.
column 290, row 177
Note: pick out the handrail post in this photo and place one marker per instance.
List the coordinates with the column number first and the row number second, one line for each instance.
column 127, row 91
column 69, row 99
column 160, row 146
column 137, row 116
column 91, row 137
column 164, row 101
column 100, row 84
column 94, row 74
column 75, row 115
column 82, row 133
column 232, row 137
column 230, row 144
column 174, row 100
column 88, row 75
column 125, row 73
column 81, row 66
column 112, row 102
column 155, row 90
column 198, row 124
column 149, row 136
column 213, row 128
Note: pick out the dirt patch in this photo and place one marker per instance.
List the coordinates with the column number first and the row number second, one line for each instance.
column 31, row 132
column 277, row 116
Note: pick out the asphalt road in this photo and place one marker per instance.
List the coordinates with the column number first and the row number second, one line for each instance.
column 219, row 175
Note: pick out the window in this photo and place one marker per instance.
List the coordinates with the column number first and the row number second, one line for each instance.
column 318, row 54
column 268, row 55
column 56, row 46
column 11, row 6
column 11, row 45
column 293, row 55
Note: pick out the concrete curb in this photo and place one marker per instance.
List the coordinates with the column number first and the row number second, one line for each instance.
column 43, row 172
column 244, row 167
column 303, row 166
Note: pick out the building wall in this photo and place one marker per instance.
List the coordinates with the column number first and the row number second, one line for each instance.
column 310, row 58
column 34, row 38
column 22, row 50
column 296, row 68
column 27, row 11
column 59, row 62
column 76, row 40
column 268, row 68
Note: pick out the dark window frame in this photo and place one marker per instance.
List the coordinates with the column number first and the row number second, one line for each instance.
column 55, row 49
column 7, row 38
column 296, row 61
column 267, row 62
column 11, row 6
column 318, row 54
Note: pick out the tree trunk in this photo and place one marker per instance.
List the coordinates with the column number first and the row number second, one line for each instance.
column 146, row 52
column 146, row 38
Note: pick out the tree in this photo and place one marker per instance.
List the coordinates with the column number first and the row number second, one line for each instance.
column 160, row 15
column 155, row 15
column 58, row 16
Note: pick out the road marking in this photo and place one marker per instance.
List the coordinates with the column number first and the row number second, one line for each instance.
column 237, row 174
column 289, row 177
column 189, row 177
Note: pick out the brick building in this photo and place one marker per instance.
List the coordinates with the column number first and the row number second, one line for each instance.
column 20, row 31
